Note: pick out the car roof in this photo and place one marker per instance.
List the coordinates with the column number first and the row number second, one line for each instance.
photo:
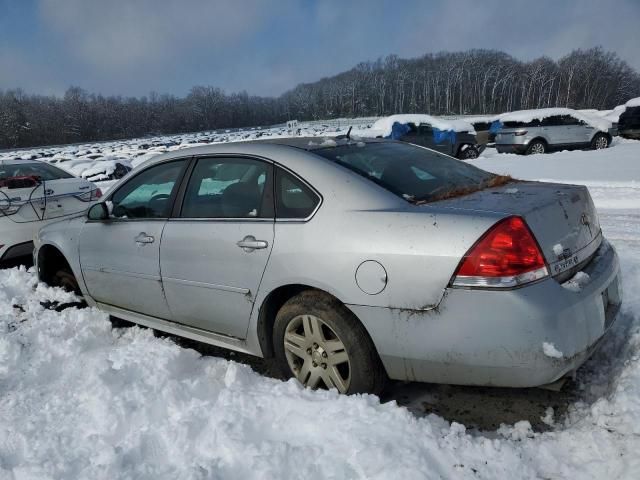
column 262, row 147
column 14, row 161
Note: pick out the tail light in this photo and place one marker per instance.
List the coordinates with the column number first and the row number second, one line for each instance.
column 520, row 133
column 507, row 255
column 90, row 196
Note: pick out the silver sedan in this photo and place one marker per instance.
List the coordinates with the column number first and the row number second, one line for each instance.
column 350, row 262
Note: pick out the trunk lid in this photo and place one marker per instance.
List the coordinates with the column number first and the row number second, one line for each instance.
column 61, row 199
column 562, row 218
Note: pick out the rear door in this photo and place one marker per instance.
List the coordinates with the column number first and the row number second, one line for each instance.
column 555, row 130
column 215, row 248
column 578, row 132
column 120, row 256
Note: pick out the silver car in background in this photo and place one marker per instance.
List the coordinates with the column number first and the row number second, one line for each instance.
column 550, row 129
column 349, row 262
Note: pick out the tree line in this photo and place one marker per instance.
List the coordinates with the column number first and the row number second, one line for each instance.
column 447, row 83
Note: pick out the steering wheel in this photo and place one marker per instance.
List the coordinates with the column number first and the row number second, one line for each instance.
column 156, row 198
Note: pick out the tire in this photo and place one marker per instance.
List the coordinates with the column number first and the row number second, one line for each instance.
column 599, row 141
column 65, row 279
column 317, row 340
column 536, row 147
column 469, row 153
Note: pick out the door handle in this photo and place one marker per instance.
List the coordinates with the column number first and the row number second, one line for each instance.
column 144, row 238
column 249, row 243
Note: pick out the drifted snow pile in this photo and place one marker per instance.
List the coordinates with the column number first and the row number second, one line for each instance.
column 79, row 399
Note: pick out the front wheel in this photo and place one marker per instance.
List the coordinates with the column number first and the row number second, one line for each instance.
column 65, row 279
column 536, row 147
column 469, row 153
column 319, row 341
column 600, row 141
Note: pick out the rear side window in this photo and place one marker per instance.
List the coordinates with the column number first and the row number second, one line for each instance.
column 228, row 188
column 294, row 199
column 413, row 173
column 44, row 171
column 533, row 123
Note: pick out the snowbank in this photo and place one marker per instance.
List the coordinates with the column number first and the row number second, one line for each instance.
column 529, row 115
column 79, row 399
column 383, row 126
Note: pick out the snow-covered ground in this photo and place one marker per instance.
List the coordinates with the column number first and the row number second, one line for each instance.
column 80, row 399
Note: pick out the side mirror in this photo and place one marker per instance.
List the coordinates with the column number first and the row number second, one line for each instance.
column 99, row 211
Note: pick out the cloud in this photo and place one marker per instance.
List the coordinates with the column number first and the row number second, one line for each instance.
column 126, row 33
column 132, row 47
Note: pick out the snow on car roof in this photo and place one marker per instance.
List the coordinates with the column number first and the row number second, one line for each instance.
column 634, row 102
column 384, row 125
column 538, row 114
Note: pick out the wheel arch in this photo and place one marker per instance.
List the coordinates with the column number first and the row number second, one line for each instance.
column 540, row 138
column 49, row 260
column 274, row 301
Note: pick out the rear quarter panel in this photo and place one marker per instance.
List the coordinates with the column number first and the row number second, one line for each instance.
column 419, row 248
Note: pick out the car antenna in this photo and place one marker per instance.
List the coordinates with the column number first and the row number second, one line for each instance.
column 349, row 132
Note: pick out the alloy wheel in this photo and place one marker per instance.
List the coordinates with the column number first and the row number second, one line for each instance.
column 316, row 355
column 601, row 142
column 537, row 148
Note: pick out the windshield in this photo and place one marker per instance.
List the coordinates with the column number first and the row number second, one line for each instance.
column 44, row 171
column 416, row 174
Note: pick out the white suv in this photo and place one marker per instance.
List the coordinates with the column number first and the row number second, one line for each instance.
column 32, row 194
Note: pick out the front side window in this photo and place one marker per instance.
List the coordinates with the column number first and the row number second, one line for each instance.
column 148, row 194
column 227, row 188
column 294, row 199
column 413, row 173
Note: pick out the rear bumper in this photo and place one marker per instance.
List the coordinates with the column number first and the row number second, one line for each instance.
column 517, row 148
column 630, row 133
column 484, row 337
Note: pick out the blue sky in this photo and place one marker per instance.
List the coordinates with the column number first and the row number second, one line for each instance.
column 133, row 47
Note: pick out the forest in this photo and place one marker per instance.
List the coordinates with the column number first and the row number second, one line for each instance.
column 446, row 83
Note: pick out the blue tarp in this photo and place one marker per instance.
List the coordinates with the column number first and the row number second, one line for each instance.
column 399, row 130
column 495, row 126
column 444, row 136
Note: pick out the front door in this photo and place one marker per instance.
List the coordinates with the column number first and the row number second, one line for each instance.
column 120, row 256
column 213, row 255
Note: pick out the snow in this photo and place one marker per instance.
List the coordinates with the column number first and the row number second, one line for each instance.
column 81, row 399
column 383, row 126
column 577, row 282
column 634, row 102
column 550, row 350
column 558, row 249
column 528, row 115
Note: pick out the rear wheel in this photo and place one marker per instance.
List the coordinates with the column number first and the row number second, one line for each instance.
column 65, row 279
column 319, row 341
column 536, row 147
column 600, row 141
column 469, row 153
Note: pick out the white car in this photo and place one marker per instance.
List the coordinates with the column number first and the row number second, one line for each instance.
column 32, row 194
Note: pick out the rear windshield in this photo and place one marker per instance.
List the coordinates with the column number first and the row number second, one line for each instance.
column 45, row 171
column 416, row 174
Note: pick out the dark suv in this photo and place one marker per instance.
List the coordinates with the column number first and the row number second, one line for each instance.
column 462, row 145
column 629, row 123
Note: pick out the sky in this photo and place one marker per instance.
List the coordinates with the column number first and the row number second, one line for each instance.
column 134, row 47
